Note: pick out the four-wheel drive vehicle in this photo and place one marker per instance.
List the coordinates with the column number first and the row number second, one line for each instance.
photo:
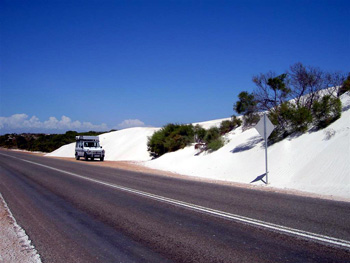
column 88, row 147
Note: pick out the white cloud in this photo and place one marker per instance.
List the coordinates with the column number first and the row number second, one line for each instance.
column 130, row 123
column 24, row 124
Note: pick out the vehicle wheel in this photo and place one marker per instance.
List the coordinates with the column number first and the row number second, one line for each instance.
column 77, row 157
column 86, row 157
column 102, row 158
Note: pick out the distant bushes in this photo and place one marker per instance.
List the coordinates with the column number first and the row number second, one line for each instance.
column 40, row 142
column 173, row 137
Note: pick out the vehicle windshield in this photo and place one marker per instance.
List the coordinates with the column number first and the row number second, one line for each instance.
column 91, row 144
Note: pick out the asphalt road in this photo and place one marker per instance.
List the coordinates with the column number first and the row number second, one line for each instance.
column 75, row 212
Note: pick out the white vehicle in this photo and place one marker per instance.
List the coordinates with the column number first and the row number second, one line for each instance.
column 88, row 147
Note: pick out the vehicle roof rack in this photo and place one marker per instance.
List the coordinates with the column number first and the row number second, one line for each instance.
column 87, row 138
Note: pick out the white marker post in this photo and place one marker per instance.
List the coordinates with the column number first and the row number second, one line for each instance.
column 265, row 128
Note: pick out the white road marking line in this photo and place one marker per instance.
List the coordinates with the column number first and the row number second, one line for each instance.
column 226, row 215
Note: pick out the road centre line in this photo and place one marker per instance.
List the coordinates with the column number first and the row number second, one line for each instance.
column 210, row 211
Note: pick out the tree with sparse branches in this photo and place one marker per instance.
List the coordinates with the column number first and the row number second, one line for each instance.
column 296, row 99
column 345, row 87
column 271, row 90
column 307, row 82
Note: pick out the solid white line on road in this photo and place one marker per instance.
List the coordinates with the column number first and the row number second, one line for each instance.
column 225, row 215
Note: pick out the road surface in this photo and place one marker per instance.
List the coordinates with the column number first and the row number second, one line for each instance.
column 75, row 212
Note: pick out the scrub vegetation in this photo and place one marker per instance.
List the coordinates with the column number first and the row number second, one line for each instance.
column 173, row 137
column 40, row 142
column 301, row 99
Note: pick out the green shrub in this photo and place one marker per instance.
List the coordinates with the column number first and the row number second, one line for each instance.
column 199, row 133
column 288, row 118
column 229, row 125
column 326, row 111
column 215, row 144
column 246, row 104
column 171, row 137
column 212, row 134
column 236, row 122
column 300, row 119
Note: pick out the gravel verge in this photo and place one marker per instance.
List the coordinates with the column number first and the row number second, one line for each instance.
column 15, row 246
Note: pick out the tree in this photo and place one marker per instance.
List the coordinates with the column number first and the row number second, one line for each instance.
column 314, row 98
column 345, row 87
column 271, row 90
column 247, row 105
column 307, row 82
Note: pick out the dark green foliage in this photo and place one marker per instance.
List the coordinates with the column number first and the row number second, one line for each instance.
column 281, row 114
column 271, row 90
column 170, row 138
column 300, row 118
column 277, row 135
column 345, row 87
column 213, row 139
column 236, row 121
column 291, row 118
column 215, row 144
column 278, row 84
column 40, row 142
column 199, row 133
column 309, row 107
column 225, row 127
column 173, row 137
column 212, row 134
column 229, row 125
column 246, row 103
column 22, row 142
column 326, row 111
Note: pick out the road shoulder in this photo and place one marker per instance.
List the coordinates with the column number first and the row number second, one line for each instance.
column 15, row 245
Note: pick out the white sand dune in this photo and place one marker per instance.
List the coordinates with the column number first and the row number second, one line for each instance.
column 316, row 162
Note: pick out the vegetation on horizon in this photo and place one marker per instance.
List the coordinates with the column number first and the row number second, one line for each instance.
column 40, row 142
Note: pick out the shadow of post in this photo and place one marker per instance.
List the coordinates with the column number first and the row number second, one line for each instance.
column 259, row 178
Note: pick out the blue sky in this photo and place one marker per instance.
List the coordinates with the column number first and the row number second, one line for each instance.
column 116, row 64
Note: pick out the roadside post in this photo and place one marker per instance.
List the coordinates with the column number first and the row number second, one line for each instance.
column 265, row 128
